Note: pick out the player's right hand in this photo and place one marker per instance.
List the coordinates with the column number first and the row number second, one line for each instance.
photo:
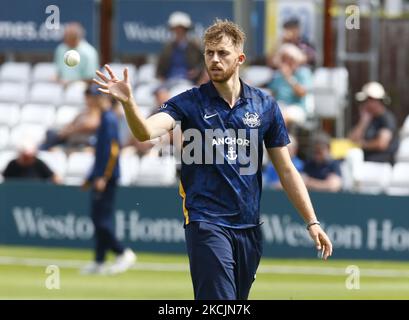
column 321, row 240
column 119, row 89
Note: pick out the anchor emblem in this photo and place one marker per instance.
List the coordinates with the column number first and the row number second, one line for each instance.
column 231, row 154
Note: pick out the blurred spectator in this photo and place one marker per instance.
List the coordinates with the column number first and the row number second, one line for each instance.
column 81, row 130
column 74, row 40
column 376, row 132
column 322, row 173
column 291, row 83
column 28, row 166
column 271, row 178
column 292, row 34
column 182, row 58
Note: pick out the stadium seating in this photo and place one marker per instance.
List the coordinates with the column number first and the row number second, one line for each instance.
column 44, row 72
column 129, row 166
column 330, row 88
column 180, row 87
column 74, row 94
column 65, row 114
column 143, row 94
column 30, row 103
column 146, row 110
column 5, row 158
column 43, row 92
column 24, row 131
column 371, row 177
column 56, row 160
column 353, row 159
column 257, row 76
column 43, row 114
column 404, row 131
column 78, row 167
column 147, row 73
column 157, row 171
column 4, row 137
column 14, row 92
column 402, row 155
column 15, row 71
column 399, row 184
column 9, row 114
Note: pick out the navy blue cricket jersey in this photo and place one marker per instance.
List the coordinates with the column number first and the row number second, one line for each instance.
column 107, row 148
column 215, row 192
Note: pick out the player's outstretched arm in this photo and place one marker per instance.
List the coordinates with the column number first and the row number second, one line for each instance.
column 296, row 190
column 143, row 129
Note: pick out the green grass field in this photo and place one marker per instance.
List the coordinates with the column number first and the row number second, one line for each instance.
column 157, row 276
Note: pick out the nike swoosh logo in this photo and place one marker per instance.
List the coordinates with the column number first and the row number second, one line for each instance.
column 209, row 116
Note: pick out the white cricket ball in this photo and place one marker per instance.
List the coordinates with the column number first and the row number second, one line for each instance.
column 71, row 58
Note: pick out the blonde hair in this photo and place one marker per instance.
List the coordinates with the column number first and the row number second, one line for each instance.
column 220, row 28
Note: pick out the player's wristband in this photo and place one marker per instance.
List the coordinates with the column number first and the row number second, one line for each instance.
column 312, row 223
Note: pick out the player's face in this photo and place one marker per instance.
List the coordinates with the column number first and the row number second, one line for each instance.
column 222, row 60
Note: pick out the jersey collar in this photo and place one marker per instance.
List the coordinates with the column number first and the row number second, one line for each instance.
column 212, row 92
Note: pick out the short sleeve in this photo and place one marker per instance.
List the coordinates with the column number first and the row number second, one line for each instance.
column 172, row 109
column 276, row 135
column 388, row 122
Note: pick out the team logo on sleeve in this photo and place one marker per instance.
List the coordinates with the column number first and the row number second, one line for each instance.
column 163, row 106
column 251, row 119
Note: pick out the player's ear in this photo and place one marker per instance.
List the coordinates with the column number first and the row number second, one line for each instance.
column 242, row 58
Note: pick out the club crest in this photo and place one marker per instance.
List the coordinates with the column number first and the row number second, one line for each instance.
column 251, row 120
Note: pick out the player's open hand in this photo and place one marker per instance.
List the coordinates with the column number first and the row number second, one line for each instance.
column 321, row 240
column 119, row 89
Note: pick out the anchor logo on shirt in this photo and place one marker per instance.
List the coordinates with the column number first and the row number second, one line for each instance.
column 231, row 154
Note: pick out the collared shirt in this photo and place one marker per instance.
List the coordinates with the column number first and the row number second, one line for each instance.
column 222, row 155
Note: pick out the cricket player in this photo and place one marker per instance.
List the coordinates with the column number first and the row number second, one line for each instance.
column 220, row 199
column 103, row 180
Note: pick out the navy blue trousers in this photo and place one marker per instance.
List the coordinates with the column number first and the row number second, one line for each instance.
column 102, row 213
column 223, row 261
